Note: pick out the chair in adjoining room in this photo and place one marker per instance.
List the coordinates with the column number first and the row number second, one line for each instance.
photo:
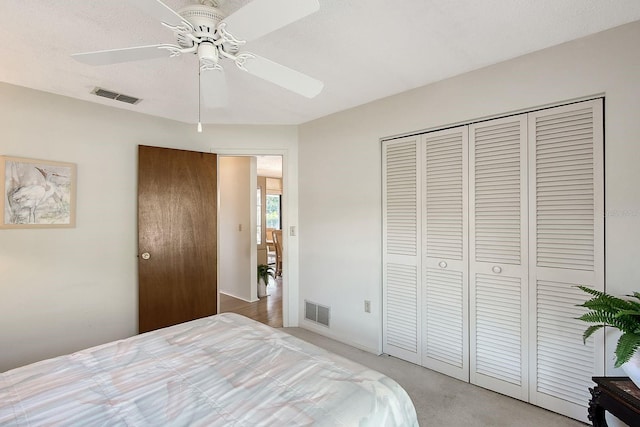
column 277, row 241
column 271, row 248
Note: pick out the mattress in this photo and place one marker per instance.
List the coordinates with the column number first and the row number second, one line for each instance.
column 223, row 370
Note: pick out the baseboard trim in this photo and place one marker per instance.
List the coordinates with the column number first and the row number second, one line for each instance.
column 238, row 297
column 310, row 326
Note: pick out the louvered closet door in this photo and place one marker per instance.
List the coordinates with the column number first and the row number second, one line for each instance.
column 498, row 256
column 566, row 249
column 445, row 320
column 401, row 243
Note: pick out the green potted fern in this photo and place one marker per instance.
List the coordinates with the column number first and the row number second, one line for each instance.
column 264, row 272
column 622, row 314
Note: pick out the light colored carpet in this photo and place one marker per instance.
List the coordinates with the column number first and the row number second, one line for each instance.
column 441, row 400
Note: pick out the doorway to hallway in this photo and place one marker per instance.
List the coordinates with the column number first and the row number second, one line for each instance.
column 266, row 208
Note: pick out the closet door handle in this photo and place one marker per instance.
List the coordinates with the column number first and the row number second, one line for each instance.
column 497, row 269
column 442, row 264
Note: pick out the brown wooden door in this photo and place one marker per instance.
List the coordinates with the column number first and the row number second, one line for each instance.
column 177, row 216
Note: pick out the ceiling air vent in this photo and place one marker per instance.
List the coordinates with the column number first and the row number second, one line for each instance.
column 117, row 96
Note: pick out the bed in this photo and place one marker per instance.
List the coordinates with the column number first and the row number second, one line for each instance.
column 223, row 370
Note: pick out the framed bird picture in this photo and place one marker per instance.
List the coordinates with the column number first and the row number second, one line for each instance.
column 37, row 193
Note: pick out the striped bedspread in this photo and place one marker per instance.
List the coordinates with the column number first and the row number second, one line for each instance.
column 223, row 370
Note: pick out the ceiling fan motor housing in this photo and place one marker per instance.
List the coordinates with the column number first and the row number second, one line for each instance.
column 205, row 20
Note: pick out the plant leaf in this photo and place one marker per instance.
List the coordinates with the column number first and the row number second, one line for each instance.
column 628, row 313
column 590, row 290
column 635, row 304
column 628, row 344
column 589, row 331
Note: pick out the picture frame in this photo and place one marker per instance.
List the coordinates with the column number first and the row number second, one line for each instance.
column 37, row 193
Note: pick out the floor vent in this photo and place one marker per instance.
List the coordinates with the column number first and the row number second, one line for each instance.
column 316, row 313
column 116, row 96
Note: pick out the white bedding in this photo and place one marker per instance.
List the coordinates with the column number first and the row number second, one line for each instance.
column 224, row 370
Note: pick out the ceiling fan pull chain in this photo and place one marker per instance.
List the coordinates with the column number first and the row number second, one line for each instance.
column 199, row 128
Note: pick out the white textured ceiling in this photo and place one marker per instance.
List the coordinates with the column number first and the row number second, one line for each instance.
column 269, row 166
column 362, row 49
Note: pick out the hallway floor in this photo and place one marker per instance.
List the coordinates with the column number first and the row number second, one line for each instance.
column 267, row 310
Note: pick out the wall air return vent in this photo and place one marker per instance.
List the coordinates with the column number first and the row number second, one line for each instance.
column 316, row 313
column 116, row 96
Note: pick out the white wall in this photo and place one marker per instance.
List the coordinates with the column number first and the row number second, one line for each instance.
column 66, row 289
column 236, row 224
column 340, row 196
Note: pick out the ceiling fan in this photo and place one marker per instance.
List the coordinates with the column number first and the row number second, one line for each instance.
column 202, row 29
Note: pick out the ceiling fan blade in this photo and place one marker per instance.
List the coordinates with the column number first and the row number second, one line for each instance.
column 115, row 56
column 160, row 11
column 213, row 88
column 282, row 76
column 261, row 17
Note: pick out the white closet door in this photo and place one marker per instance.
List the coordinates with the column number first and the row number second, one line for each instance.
column 498, row 256
column 445, row 320
column 566, row 249
column 401, row 243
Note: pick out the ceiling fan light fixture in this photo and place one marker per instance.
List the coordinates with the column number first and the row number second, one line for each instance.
column 208, row 53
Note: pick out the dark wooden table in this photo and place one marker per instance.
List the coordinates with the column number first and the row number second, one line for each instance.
column 617, row 395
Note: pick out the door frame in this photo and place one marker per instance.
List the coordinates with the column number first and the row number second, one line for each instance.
column 290, row 286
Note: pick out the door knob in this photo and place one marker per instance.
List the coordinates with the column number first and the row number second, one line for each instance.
column 442, row 264
column 497, row 269
column 145, row 255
